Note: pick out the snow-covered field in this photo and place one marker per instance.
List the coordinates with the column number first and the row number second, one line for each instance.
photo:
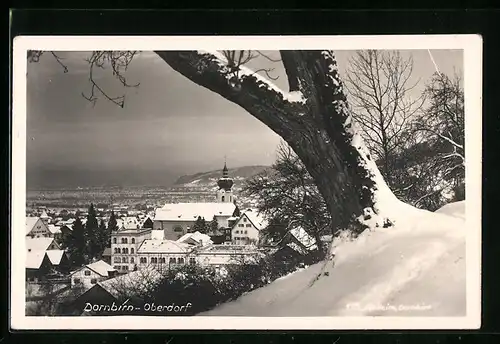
column 415, row 268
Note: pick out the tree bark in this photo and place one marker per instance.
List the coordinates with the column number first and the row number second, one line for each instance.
column 317, row 127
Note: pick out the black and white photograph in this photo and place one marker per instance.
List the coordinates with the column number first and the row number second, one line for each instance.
column 246, row 182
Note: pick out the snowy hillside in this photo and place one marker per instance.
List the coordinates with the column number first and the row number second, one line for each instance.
column 415, row 268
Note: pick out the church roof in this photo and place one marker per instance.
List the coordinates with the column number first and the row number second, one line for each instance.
column 191, row 211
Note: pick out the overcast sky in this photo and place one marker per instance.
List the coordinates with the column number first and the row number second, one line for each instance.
column 168, row 125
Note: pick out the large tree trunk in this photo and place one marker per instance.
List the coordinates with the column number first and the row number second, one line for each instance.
column 312, row 118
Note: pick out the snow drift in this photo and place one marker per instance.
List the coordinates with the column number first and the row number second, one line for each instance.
column 415, row 268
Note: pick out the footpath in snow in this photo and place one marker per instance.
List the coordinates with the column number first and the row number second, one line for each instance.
column 415, row 268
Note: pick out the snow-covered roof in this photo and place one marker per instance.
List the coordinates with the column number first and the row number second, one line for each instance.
column 54, row 229
column 55, row 256
column 130, row 222
column 305, row 239
column 191, row 211
column 44, row 215
column 30, row 223
column 101, row 267
column 196, row 237
column 163, row 246
column 257, row 219
column 34, row 259
column 38, row 244
column 135, row 281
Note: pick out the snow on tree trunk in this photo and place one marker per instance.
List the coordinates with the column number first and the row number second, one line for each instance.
column 313, row 118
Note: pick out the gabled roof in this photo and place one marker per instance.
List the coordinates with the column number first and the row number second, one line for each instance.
column 39, row 244
column 34, row 259
column 55, row 256
column 191, row 211
column 255, row 218
column 163, row 246
column 135, row 281
column 30, row 223
column 101, row 267
column 196, row 237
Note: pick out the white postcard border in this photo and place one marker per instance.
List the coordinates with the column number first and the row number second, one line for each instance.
column 472, row 47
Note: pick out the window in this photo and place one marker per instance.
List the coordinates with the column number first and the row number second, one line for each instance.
column 125, row 250
column 192, row 261
column 117, row 260
column 133, row 240
column 93, row 280
column 246, row 231
column 154, row 260
column 180, row 260
column 222, row 198
column 125, row 267
column 171, row 261
column 162, row 260
column 244, row 219
column 132, row 250
column 77, row 280
column 87, row 273
column 116, row 250
column 178, row 229
column 125, row 241
column 143, row 260
column 124, row 260
column 237, row 232
column 241, row 225
column 249, row 225
column 114, row 240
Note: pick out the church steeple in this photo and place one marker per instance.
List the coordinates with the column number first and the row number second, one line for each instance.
column 225, row 184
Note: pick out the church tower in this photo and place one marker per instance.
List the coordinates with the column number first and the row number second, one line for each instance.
column 225, row 193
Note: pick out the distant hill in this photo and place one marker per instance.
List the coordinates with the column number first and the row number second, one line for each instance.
column 203, row 178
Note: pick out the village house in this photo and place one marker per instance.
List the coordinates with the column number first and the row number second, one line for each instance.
column 246, row 230
column 193, row 249
column 117, row 289
column 163, row 253
column 195, row 238
column 37, row 228
column 177, row 219
column 44, row 257
column 124, row 245
column 90, row 274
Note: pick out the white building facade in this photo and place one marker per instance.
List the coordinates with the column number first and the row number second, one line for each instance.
column 247, row 229
column 90, row 274
column 124, row 245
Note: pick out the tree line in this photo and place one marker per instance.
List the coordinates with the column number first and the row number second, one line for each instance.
column 87, row 242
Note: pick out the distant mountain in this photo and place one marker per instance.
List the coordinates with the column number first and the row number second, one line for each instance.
column 203, row 178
